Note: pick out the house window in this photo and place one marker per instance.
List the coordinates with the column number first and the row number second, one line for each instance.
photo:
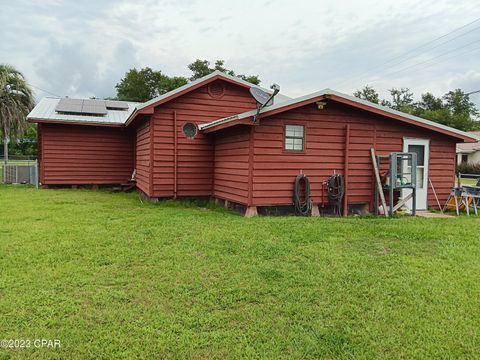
column 294, row 137
column 464, row 158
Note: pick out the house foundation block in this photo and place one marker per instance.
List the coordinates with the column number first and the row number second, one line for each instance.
column 315, row 211
column 251, row 211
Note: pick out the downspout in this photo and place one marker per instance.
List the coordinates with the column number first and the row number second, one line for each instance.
column 345, row 170
column 175, row 146
column 5, row 156
column 372, row 208
column 251, row 149
column 39, row 154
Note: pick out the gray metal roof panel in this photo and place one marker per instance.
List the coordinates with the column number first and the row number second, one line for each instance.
column 45, row 110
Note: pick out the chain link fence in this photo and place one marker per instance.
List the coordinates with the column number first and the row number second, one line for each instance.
column 19, row 170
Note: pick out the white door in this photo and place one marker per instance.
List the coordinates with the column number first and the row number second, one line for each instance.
column 422, row 148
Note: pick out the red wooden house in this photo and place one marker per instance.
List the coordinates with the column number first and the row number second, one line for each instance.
column 200, row 141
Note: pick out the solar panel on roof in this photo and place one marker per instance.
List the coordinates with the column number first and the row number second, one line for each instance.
column 94, row 106
column 82, row 107
column 69, row 105
column 93, row 102
column 116, row 105
column 94, row 110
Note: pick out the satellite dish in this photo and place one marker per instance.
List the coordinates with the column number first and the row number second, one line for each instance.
column 260, row 96
column 263, row 98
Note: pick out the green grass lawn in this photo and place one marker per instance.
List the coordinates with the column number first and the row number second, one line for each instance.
column 467, row 181
column 112, row 277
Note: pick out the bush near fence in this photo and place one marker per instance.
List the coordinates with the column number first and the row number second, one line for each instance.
column 468, row 168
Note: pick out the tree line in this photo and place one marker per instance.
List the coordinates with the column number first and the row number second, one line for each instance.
column 146, row 83
column 16, row 99
column 452, row 109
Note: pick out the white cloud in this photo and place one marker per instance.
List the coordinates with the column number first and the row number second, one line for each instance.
column 84, row 48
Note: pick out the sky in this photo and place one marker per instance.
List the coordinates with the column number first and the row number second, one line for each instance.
column 83, row 48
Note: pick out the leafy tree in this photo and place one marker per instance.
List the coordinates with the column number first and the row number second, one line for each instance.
column 402, row 99
column 145, row 84
column 459, row 103
column 430, row 102
column 201, row 68
column 453, row 109
column 16, row 101
column 367, row 93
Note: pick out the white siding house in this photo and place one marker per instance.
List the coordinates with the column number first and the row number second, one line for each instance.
column 469, row 152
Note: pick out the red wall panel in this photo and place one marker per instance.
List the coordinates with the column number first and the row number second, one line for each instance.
column 231, row 165
column 76, row 155
column 195, row 157
column 274, row 169
column 142, row 156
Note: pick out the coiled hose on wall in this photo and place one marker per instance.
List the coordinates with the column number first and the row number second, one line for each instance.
column 336, row 190
column 302, row 207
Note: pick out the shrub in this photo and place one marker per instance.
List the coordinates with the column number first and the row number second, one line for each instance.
column 469, row 168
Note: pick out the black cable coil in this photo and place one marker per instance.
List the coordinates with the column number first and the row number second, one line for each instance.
column 302, row 207
column 336, row 190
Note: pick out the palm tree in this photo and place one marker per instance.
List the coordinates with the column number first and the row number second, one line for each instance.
column 16, row 101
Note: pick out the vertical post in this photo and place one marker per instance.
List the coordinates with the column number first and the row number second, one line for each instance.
column 392, row 181
column 5, row 157
column 374, row 189
column 251, row 149
column 40, row 153
column 175, row 146
column 36, row 174
column 5, row 148
column 390, row 195
column 414, row 183
column 151, row 157
column 345, row 170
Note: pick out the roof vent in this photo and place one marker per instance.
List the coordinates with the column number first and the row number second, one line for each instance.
column 216, row 90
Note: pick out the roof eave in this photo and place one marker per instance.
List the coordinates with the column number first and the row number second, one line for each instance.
column 74, row 122
column 402, row 118
column 224, row 125
column 330, row 94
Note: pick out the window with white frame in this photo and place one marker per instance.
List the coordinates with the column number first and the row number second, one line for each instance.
column 294, row 137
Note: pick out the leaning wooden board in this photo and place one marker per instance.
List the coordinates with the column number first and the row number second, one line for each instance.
column 379, row 182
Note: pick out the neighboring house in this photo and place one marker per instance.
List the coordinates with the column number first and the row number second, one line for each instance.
column 469, row 152
column 200, row 141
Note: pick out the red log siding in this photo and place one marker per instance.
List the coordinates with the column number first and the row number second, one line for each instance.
column 142, row 156
column 441, row 161
column 76, row 155
column 274, row 169
column 194, row 156
column 231, row 165
column 39, row 151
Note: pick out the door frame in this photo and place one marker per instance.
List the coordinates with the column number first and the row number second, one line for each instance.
column 425, row 142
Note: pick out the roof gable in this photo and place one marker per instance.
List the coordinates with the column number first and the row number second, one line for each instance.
column 147, row 107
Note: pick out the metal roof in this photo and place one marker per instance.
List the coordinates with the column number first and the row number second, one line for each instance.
column 279, row 98
column 45, row 111
column 470, row 147
column 326, row 92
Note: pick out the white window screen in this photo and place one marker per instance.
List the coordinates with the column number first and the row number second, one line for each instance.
column 294, row 137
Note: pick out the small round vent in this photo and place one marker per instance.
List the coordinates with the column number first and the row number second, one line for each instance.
column 190, row 130
column 216, row 89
